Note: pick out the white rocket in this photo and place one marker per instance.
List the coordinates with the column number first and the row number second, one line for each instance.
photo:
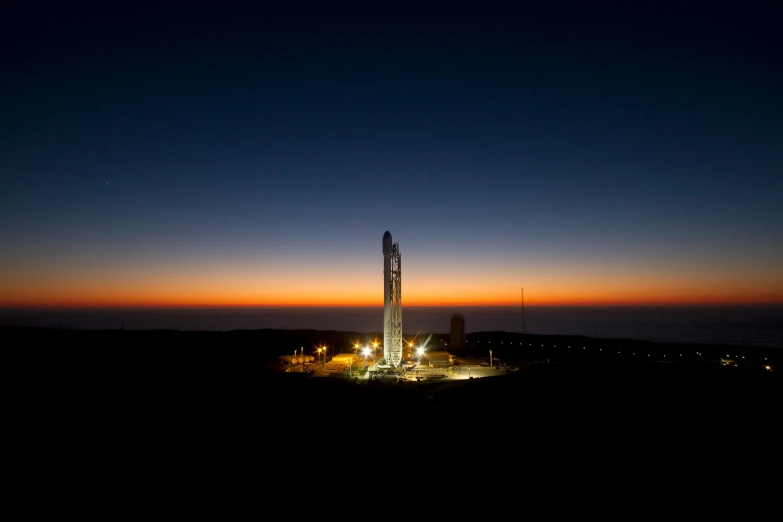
column 387, row 292
column 392, row 302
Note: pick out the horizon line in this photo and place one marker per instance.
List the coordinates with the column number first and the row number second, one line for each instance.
column 362, row 305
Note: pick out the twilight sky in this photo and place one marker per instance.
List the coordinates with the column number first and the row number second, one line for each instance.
column 208, row 156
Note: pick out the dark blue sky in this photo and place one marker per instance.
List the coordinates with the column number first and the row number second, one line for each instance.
column 220, row 154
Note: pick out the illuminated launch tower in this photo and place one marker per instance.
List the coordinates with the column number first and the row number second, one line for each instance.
column 392, row 303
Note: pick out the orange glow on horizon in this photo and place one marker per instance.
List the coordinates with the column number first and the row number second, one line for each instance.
column 236, row 289
column 241, row 282
column 206, row 303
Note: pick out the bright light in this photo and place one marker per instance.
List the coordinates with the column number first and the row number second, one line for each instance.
column 421, row 351
column 366, row 352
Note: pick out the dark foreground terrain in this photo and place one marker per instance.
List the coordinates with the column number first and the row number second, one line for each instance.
column 216, row 395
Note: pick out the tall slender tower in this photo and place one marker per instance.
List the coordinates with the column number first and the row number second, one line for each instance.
column 522, row 299
column 457, row 332
column 392, row 302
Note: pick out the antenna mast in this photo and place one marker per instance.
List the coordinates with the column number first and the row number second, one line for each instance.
column 522, row 299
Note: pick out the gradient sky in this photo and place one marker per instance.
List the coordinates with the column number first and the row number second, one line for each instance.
column 234, row 156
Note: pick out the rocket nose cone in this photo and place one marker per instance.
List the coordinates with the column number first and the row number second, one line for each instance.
column 387, row 243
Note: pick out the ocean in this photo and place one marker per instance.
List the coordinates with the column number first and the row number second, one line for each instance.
column 732, row 325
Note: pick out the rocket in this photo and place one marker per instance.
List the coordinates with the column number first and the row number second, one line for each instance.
column 387, row 293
